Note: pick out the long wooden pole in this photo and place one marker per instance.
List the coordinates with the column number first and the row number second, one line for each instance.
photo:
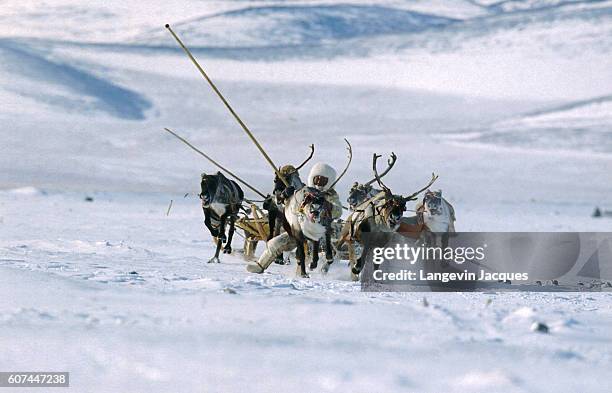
column 215, row 163
column 227, row 105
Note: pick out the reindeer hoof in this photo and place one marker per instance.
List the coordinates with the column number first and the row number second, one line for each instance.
column 304, row 275
column 313, row 265
column 325, row 268
column 227, row 250
column 214, row 260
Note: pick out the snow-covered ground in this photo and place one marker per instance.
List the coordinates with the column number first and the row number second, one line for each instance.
column 120, row 294
column 509, row 102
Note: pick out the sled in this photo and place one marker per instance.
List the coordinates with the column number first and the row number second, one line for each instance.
column 255, row 228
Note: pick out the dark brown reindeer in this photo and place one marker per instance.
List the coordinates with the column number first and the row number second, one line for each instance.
column 221, row 200
column 379, row 213
column 274, row 204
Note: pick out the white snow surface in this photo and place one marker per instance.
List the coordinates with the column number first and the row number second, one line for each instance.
column 120, row 295
column 508, row 101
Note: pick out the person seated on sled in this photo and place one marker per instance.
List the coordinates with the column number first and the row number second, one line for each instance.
column 320, row 178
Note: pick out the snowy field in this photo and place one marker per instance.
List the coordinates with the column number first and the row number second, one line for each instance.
column 509, row 102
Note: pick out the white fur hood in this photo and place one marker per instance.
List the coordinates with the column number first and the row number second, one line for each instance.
column 322, row 169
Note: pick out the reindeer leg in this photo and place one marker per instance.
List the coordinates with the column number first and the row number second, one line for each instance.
column 301, row 257
column 280, row 260
column 315, row 255
column 353, row 260
column 357, row 265
column 220, row 236
column 216, row 257
column 222, row 229
column 214, row 232
column 271, row 223
column 356, row 269
column 329, row 252
column 207, row 223
column 445, row 238
column 228, row 245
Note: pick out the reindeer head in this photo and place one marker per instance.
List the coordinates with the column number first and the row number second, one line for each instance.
column 291, row 175
column 359, row 193
column 208, row 185
column 432, row 202
column 316, row 207
column 393, row 208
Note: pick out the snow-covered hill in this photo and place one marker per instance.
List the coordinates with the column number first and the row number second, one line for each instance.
column 580, row 127
column 298, row 25
column 593, row 112
column 58, row 83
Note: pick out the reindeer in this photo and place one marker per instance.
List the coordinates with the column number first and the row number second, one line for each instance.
column 380, row 213
column 308, row 215
column 434, row 221
column 274, row 205
column 328, row 192
column 221, row 200
column 292, row 177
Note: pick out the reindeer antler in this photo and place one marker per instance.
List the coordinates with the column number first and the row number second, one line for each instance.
column 350, row 158
column 375, row 157
column 390, row 163
column 434, row 177
column 312, row 149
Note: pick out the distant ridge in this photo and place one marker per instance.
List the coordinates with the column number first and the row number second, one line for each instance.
column 302, row 25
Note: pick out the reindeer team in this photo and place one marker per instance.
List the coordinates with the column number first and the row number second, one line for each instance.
column 305, row 213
